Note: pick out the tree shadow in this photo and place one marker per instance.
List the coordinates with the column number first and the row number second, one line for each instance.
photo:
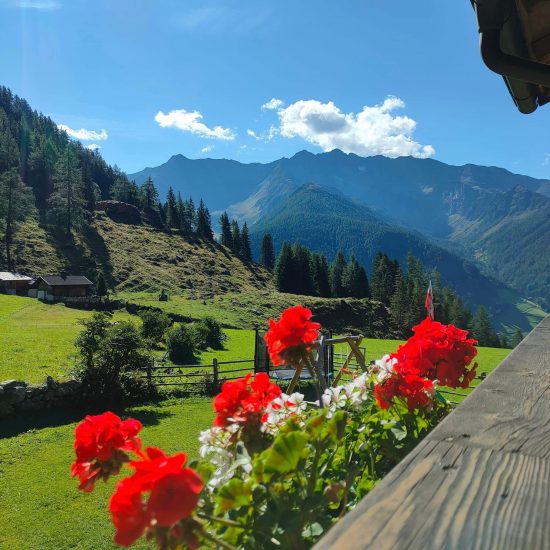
column 86, row 257
column 52, row 418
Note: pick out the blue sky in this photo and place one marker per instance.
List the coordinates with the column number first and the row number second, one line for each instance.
column 148, row 79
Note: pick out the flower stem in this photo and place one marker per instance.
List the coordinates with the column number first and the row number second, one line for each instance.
column 223, row 521
column 217, row 542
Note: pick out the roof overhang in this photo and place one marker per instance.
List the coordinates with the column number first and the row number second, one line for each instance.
column 515, row 43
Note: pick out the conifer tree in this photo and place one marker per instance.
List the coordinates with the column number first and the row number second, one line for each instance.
column 15, row 206
column 161, row 209
column 516, row 338
column 354, row 280
column 181, row 211
column 284, row 269
column 382, row 283
column 245, row 250
column 43, row 155
column 303, row 281
column 417, row 286
column 320, row 274
column 188, row 219
column 90, row 191
column 149, row 194
column 226, row 239
column 399, row 306
column 267, row 253
column 336, row 271
column 66, row 203
column 126, row 191
column 204, row 224
column 235, row 236
column 172, row 215
column 482, row 330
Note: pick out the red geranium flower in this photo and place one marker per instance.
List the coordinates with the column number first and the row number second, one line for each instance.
column 173, row 495
column 407, row 384
column 244, row 400
column 440, row 352
column 292, row 336
column 100, row 444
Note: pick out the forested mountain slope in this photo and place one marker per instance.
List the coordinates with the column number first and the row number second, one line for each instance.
column 327, row 222
column 445, row 203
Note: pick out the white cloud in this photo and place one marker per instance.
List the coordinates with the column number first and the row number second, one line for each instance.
column 83, row 134
column 207, row 149
column 93, row 146
column 46, row 5
column 546, row 160
column 372, row 131
column 190, row 121
column 266, row 136
column 272, row 104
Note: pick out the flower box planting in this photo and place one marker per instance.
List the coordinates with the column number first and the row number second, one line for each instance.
column 275, row 471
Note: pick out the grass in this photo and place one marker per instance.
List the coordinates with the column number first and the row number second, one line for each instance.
column 46, row 511
column 41, row 506
column 37, row 339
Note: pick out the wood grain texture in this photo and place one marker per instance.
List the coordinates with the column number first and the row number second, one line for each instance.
column 480, row 480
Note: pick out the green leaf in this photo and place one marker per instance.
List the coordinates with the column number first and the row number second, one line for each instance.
column 233, row 494
column 399, row 433
column 312, row 531
column 285, row 453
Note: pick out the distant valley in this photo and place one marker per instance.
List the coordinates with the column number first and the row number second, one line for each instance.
column 499, row 222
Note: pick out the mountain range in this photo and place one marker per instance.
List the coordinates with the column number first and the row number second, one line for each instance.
column 495, row 221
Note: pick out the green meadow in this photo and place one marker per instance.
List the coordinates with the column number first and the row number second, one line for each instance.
column 41, row 506
column 37, row 340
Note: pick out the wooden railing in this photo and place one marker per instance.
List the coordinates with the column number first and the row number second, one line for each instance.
column 481, row 479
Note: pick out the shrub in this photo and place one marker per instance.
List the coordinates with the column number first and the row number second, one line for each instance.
column 207, row 333
column 111, row 356
column 179, row 344
column 154, row 325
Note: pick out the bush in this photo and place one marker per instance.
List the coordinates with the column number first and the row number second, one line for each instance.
column 179, row 344
column 207, row 333
column 154, row 325
column 111, row 359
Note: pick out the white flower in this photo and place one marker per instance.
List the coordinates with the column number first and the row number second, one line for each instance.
column 385, row 367
column 281, row 408
column 218, row 447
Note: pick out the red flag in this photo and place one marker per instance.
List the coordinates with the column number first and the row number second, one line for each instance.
column 429, row 305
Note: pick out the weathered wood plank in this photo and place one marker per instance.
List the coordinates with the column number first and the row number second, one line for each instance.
column 480, row 480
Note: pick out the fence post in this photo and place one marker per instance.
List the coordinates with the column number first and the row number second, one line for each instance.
column 256, row 358
column 215, row 367
column 149, row 374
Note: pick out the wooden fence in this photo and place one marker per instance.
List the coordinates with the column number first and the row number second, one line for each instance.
column 185, row 375
column 479, row 480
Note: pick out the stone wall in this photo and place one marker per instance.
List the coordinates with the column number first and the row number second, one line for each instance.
column 17, row 396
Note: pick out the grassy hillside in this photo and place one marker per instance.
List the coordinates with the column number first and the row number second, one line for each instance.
column 138, row 257
column 254, row 308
